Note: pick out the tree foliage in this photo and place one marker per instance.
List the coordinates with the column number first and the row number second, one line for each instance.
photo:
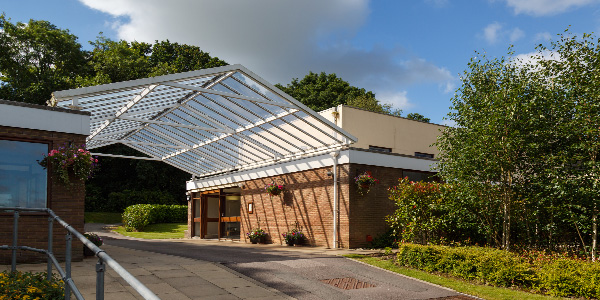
column 322, row 91
column 37, row 58
column 418, row 117
column 525, row 145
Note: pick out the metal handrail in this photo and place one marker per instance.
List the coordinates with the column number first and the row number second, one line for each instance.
column 66, row 274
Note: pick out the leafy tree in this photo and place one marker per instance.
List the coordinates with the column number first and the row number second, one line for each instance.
column 487, row 153
column 573, row 76
column 322, row 91
column 374, row 105
column 37, row 58
column 418, row 117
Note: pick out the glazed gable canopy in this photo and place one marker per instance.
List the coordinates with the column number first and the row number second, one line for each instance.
column 204, row 122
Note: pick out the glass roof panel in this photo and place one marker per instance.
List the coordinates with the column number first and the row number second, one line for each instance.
column 204, row 122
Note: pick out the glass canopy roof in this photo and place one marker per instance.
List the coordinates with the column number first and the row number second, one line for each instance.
column 204, row 122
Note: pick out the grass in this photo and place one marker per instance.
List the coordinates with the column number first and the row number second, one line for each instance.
column 157, row 231
column 461, row 286
column 103, row 217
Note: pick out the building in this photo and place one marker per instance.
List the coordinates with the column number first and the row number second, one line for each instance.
column 389, row 147
column 27, row 132
column 235, row 133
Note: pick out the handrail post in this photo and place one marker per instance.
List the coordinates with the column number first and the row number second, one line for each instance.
column 100, row 268
column 69, row 238
column 50, row 233
column 15, row 241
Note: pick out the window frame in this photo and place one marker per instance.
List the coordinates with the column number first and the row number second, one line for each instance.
column 49, row 145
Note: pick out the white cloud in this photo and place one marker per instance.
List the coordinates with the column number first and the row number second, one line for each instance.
column 543, row 36
column 398, row 99
column 491, row 32
column 546, row 7
column 495, row 32
column 516, row 34
column 534, row 57
column 279, row 40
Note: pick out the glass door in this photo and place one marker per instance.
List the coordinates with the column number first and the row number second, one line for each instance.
column 230, row 217
column 211, row 216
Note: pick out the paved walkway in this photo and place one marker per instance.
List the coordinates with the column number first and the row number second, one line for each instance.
column 201, row 269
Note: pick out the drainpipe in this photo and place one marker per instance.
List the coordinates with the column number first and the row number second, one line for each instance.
column 335, row 155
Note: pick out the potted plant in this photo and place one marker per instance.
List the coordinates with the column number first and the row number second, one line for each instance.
column 293, row 237
column 274, row 189
column 70, row 163
column 257, row 235
column 364, row 182
column 95, row 239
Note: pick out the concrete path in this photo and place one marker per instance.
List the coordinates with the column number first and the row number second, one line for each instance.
column 204, row 269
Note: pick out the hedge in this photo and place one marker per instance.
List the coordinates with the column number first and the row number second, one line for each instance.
column 548, row 274
column 118, row 201
column 136, row 217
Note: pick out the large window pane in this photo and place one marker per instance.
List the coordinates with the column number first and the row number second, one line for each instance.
column 23, row 181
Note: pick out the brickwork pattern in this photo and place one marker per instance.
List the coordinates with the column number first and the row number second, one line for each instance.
column 67, row 203
column 307, row 203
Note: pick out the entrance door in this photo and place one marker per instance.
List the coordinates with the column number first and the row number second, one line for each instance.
column 217, row 214
column 210, row 215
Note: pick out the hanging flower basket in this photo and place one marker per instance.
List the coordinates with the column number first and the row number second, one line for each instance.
column 364, row 182
column 70, row 163
column 274, row 189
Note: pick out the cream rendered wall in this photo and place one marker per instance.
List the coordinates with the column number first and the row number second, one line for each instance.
column 403, row 136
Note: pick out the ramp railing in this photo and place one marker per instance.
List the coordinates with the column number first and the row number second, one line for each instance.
column 70, row 287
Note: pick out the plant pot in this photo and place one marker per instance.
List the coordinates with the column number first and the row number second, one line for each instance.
column 290, row 242
column 254, row 240
column 87, row 251
column 275, row 193
column 365, row 186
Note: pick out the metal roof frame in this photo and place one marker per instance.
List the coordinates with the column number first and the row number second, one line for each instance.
column 204, row 122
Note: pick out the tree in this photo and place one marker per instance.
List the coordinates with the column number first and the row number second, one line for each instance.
column 114, row 61
column 418, row 117
column 487, row 153
column 573, row 75
column 322, row 91
column 372, row 104
column 36, row 59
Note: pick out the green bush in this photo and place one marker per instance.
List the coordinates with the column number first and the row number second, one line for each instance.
column 136, row 217
column 554, row 275
column 118, row 201
column 18, row 285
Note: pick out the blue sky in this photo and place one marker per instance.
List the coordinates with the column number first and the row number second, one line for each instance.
column 410, row 53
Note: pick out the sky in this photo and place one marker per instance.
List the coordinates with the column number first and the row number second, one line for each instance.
column 411, row 54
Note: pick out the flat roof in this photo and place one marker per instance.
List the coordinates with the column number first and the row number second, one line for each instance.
column 204, row 122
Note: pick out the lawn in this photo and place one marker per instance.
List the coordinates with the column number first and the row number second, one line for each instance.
column 103, row 217
column 461, row 286
column 157, row 231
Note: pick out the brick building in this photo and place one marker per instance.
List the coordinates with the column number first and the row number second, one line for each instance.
column 388, row 147
column 27, row 132
column 235, row 133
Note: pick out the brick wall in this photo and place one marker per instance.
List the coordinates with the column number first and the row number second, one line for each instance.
column 67, row 203
column 307, row 202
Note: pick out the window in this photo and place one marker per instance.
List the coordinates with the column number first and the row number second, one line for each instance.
column 380, row 149
column 23, row 182
column 421, row 154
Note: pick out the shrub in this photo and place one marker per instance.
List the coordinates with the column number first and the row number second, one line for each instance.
column 118, row 201
column 136, row 217
column 555, row 275
column 18, row 285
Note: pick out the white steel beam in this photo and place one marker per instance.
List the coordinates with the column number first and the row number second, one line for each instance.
column 227, row 95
